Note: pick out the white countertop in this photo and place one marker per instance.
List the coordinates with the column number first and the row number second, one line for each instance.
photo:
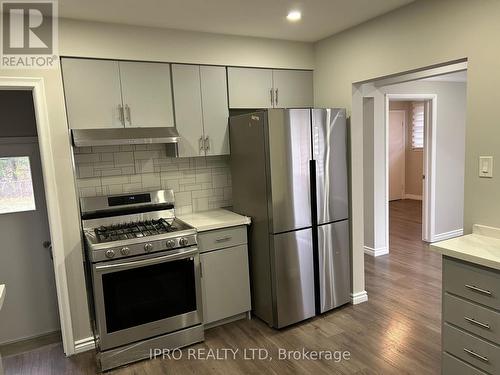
column 481, row 247
column 214, row 219
column 2, row 295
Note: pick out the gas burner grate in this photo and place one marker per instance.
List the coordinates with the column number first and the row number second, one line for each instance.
column 139, row 229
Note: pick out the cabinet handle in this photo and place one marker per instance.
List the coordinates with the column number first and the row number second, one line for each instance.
column 201, row 269
column 207, row 144
column 127, row 114
column 276, row 97
column 200, row 143
column 479, row 290
column 474, row 354
column 223, row 239
column 122, row 114
column 272, row 97
column 474, row 321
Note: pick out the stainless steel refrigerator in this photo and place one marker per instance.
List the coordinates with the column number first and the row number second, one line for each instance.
column 289, row 174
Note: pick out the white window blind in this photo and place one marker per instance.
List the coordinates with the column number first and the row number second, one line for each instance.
column 418, row 120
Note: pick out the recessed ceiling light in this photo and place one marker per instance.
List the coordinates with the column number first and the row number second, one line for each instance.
column 294, row 16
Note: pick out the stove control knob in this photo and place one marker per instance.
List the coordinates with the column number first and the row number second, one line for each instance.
column 148, row 247
column 110, row 253
column 170, row 244
column 125, row 251
column 183, row 241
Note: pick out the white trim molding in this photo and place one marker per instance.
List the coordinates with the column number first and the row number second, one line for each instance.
column 376, row 252
column 413, row 196
column 84, row 345
column 447, row 235
column 360, row 297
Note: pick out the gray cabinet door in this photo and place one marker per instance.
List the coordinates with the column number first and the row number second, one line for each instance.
column 289, row 154
column 225, row 283
column 334, row 264
column 215, row 109
column 92, row 92
column 250, row 88
column 293, row 88
column 294, row 277
column 188, row 109
column 147, row 94
column 329, row 139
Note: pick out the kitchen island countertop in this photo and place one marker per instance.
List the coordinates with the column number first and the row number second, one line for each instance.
column 482, row 247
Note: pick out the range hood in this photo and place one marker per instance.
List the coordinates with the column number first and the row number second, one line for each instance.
column 124, row 136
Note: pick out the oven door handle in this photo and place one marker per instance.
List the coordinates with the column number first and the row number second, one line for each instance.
column 144, row 262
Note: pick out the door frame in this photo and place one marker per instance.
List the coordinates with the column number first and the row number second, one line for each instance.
column 37, row 87
column 404, row 145
column 429, row 168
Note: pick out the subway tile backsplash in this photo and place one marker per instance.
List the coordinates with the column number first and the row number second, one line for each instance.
column 199, row 183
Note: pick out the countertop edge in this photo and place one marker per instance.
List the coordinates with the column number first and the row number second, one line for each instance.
column 206, row 228
column 467, row 257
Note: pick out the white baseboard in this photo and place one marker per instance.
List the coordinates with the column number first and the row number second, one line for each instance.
column 413, row 196
column 376, row 252
column 359, row 297
column 447, row 235
column 84, row 345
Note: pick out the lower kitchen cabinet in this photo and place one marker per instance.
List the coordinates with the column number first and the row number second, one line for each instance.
column 225, row 282
column 471, row 318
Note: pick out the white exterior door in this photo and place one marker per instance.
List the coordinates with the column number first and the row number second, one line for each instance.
column 396, row 154
column 188, row 110
column 250, row 88
column 93, row 94
column 30, row 306
column 215, row 109
column 293, row 88
column 147, row 94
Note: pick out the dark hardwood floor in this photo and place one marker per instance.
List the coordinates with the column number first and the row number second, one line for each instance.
column 396, row 332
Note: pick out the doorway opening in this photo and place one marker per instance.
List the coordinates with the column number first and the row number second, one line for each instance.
column 30, row 309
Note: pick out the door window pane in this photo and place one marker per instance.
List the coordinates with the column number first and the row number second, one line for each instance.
column 16, row 187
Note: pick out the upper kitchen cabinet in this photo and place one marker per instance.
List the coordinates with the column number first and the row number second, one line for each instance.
column 93, row 93
column 201, row 111
column 250, row 88
column 147, row 94
column 114, row 94
column 188, row 111
column 293, row 88
column 270, row 88
column 215, row 109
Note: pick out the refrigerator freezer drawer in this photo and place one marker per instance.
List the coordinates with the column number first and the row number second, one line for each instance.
column 334, row 264
column 293, row 277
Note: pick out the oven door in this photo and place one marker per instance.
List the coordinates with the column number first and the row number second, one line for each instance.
column 141, row 297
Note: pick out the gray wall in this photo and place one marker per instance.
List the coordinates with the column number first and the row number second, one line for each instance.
column 198, row 183
column 422, row 34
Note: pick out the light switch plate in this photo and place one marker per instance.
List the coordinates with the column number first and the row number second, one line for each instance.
column 486, row 166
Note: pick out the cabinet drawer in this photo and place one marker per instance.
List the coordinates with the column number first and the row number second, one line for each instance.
column 221, row 238
column 472, row 282
column 471, row 317
column 471, row 349
column 454, row 366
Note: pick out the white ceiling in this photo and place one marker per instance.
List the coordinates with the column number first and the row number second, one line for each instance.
column 450, row 77
column 261, row 18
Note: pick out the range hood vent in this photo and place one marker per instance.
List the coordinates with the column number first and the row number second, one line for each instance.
column 124, row 136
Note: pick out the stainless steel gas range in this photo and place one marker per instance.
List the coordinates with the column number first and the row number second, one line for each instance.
column 143, row 268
